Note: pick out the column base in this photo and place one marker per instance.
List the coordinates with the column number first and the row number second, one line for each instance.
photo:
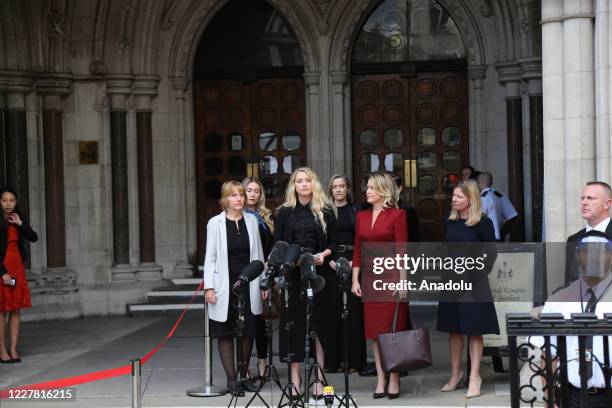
column 123, row 273
column 58, row 280
column 149, row 271
column 182, row 270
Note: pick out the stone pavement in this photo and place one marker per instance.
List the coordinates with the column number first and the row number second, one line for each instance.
column 57, row 349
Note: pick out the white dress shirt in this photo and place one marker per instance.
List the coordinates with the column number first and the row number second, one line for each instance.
column 601, row 227
column 568, row 301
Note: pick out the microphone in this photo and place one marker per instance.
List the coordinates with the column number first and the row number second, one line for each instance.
column 343, row 265
column 291, row 256
column 277, row 254
column 308, row 275
column 328, row 395
column 248, row 273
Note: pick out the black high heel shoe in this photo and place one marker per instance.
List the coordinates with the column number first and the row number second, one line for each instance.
column 396, row 394
column 379, row 395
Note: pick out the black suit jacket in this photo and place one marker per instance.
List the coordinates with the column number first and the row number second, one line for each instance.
column 283, row 229
column 571, row 266
column 25, row 232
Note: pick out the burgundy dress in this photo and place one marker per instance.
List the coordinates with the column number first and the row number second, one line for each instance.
column 390, row 226
column 16, row 297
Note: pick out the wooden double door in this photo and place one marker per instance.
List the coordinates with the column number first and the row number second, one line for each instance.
column 246, row 129
column 417, row 128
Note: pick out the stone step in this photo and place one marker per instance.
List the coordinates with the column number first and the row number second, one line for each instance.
column 162, row 308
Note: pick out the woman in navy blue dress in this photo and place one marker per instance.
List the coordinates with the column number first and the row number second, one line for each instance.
column 466, row 223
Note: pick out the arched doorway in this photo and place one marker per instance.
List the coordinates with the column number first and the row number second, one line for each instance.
column 249, row 104
column 410, row 104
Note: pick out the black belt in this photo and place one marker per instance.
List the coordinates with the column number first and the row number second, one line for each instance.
column 345, row 248
column 590, row 390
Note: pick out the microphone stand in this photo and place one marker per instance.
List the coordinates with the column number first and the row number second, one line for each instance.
column 270, row 373
column 311, row 335
column 347, row 398
column 297, row 400
column 240, row 303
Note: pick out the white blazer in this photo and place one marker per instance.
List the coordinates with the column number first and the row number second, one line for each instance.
column 216, row 268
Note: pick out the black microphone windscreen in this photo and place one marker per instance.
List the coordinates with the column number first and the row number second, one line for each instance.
column 252, row 270
column 292, row 254
column 306, row 260
column 343, row 264
column 277, row 254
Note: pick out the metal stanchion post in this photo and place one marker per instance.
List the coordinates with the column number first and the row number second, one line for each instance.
column 208, row 390
column 135, row 364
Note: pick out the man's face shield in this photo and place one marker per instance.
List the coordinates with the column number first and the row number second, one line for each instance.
column 594, row 255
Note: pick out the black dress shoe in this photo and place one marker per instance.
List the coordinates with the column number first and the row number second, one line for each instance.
column 9, row 361
column 392, row 396
column 249, row 386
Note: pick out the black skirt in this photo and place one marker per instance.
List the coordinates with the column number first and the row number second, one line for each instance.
column 468, row 318
column 322, row 321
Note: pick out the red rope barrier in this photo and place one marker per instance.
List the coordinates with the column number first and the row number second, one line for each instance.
column 102, row 374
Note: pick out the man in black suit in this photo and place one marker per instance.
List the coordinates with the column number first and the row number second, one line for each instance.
column 595, row 203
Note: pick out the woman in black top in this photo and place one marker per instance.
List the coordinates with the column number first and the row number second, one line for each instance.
column 306, row 219
column 339, row 192
column 466, row 223
column 256, row 205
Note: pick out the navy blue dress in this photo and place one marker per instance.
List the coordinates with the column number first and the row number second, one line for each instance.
column 469, row 318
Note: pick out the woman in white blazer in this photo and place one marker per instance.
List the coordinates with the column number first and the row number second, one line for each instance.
column 232, row 242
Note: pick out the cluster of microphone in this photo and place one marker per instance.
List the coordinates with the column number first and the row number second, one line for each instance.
column 283, row 258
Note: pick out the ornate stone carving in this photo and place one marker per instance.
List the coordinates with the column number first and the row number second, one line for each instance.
column 97, row 68
column 166, row 20
column 322, row 6
column 56, row 24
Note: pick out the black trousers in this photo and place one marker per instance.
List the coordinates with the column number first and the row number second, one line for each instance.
column 592, row 400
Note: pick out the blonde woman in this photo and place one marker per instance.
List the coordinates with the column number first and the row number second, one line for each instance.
column 467, row 223
column 256, row 205
column 232, row 242
column 384, row 222
column 306, row 219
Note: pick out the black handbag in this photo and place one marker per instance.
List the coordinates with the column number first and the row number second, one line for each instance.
column 406, row 350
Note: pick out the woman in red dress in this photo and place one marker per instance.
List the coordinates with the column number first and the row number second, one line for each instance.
column 14, row 292
column 384, row 222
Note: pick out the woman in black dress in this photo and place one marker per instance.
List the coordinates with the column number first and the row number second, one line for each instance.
column 306, row 219
column 232, row 242
column 339, row 192
column 466, row 223
column 256, row 205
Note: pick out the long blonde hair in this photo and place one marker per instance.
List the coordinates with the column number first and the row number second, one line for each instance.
column 264, row 212
column 384, row 185
column 319, row 201
column 470, row 189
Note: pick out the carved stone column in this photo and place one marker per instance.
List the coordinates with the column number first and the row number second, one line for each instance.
column 15, row 136
column 118, row 89
column 341, row 138
column 317, row 145
column 184, row 197
column 477, row 73
column 145, row 88
column 510, row 76
column 53, row 89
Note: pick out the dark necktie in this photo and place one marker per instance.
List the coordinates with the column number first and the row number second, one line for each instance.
column 590, row 308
